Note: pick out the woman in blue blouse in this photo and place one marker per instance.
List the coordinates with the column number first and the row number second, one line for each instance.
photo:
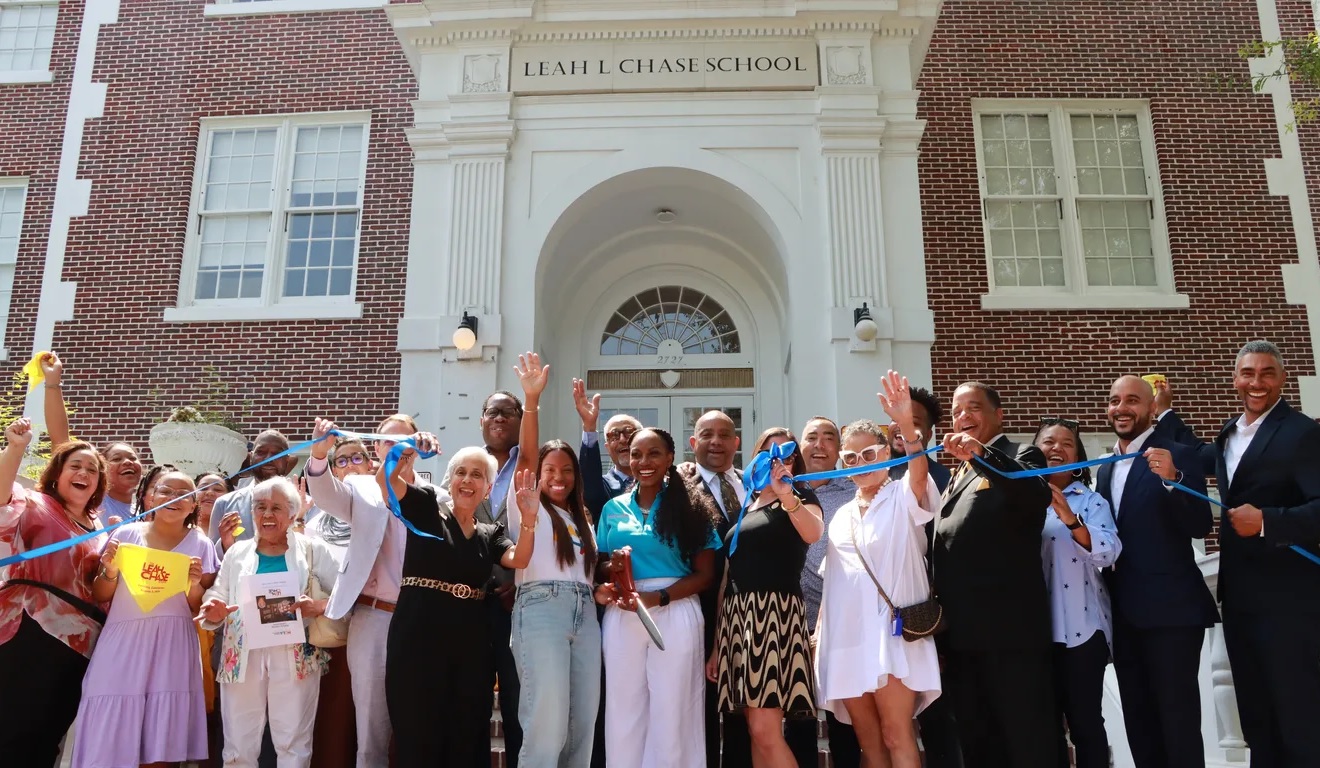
column 1079, row 538
column 655, row 716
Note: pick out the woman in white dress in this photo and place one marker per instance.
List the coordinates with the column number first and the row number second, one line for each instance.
column 865, row 674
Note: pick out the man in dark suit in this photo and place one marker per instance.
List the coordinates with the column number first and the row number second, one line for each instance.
column 988, row 577
column 596, row 488
column 1161, row 604
column 1267, row 465
column 1167, row 422
column 501, row 419
column 715, row 445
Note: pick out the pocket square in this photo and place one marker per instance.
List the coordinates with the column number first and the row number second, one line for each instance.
column 983, row 484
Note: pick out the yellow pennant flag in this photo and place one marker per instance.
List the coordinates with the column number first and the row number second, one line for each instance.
column 33, row 371
column 1152, row 379
column 152, row 575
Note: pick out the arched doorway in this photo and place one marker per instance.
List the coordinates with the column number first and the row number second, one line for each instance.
column 665, row 290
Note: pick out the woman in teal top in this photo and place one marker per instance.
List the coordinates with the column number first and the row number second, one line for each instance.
column 656, row 699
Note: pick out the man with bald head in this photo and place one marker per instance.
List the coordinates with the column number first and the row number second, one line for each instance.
column 715, row 444
column 1161, row 604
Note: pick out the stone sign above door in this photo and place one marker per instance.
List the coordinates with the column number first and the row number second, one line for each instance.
column 633, row 67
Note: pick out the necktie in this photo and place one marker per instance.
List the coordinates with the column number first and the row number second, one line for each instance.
column 962, row 470
column 728, row 497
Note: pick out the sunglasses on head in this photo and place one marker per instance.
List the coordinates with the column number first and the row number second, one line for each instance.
column 356, row 459
column 1059, row 421
column 868, row 455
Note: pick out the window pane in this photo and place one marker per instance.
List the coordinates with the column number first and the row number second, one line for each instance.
column 232, row 258
column 326, row 166
column 320, row 256
column 11, row 222
column 1109, row 155
column 1018, row 155
column 239, row 170
column 1113, row 234
column 691, row 318
column 26, row 33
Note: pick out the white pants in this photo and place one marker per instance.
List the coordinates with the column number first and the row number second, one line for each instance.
column 654, row 699
column 368, row 631
column 268, row 682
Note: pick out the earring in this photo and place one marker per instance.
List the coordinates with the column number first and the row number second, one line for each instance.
column 1078, row 473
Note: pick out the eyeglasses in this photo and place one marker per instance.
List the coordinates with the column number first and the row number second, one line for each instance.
column 620, row 434
column 164, row 491
column 356, row 459
column 868, row 455
column 508, row 413
column 1059, row 421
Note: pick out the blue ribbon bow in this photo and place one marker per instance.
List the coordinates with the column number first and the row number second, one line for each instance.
column 757, row 477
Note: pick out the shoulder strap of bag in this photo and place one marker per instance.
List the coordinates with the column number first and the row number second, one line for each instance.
column 89, row 610
column 869, row 572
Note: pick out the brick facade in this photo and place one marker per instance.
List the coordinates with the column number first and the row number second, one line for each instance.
column 1228, row 236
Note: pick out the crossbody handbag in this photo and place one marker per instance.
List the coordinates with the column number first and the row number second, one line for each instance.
column 913, row 622
column 322, row 631
column 87, row 609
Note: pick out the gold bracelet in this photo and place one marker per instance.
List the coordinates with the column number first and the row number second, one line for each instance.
column 106, row 576
column 794, row 509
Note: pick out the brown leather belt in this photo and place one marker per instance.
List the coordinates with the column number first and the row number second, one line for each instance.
column 377, row 603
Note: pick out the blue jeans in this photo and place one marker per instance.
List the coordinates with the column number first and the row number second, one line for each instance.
column 556, row 644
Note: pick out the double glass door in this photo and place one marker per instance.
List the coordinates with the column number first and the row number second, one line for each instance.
column 678, row 416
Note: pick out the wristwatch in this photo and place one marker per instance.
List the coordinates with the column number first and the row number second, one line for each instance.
column 664, row 597
column 1076, row 524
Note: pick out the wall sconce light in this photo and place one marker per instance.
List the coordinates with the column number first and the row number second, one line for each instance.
column 864, row 328
column 465, row 336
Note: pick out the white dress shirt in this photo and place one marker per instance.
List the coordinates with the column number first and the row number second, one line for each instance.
column 1239, row 440
column 712, row 481
column 1118, row 480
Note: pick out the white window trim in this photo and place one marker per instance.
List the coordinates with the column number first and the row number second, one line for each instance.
column 265, row 7
column 29, row 76
column 271, row 306
column 1078, row 295
column 11, row 182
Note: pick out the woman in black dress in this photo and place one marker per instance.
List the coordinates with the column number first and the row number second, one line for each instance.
column 761, row 660
column 438, row 657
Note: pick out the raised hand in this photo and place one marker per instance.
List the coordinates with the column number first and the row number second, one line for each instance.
column 320, row 429
column 305, row 497
column 230, row 526
column 781, row 481
column 214, row 611
column 532, row 374
column 194, row 571
column 962, row 446
column 52, row 368
column 19, row 434
column 1163, row 396
column 588, row 409
column 528, row 496
column 896, row 398
column 108, row 558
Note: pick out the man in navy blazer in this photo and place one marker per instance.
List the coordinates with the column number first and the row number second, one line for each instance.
column 1267, row 466
column 597, row 488
column 1161, row 604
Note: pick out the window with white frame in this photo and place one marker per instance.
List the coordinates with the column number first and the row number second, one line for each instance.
column 27, row 32
column 277, row 212
column 13, row 193
column 1071, row 206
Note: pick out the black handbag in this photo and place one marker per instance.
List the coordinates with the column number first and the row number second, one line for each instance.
column 924, row 619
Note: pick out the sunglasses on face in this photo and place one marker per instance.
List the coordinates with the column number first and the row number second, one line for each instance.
column 617, row 435
column 356, row 459
column 495, row 413
column 868, row 455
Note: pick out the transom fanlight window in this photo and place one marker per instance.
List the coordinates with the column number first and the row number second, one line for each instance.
column 689, row 317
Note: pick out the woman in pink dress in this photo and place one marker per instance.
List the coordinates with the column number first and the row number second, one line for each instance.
column 48, row 618
column 143, row 702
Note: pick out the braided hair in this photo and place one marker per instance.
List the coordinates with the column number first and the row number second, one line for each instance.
column 684, row 518
column 148, row 481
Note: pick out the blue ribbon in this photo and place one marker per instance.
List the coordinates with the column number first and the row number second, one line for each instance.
column 1113, row 459
column 757, row 477
column 392, row 461
column 1294, row 547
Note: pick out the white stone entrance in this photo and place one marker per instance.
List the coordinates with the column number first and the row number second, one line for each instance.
column 762, row 156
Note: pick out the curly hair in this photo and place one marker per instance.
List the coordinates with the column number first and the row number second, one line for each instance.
column 148, row 481
column 685, row 517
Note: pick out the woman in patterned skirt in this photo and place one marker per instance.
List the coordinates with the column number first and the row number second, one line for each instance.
column 761, row 659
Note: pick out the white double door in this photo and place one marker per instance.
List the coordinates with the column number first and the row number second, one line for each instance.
column 678, row 416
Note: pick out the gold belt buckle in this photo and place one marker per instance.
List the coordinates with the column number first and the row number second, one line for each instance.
column 461, row 591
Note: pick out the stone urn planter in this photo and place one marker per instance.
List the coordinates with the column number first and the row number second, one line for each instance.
column 197, row 447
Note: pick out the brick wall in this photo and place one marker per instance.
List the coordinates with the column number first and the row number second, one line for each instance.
column 1227, row 235
column 166, row 67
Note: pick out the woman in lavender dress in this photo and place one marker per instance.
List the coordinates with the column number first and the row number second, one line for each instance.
column 143, row 702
